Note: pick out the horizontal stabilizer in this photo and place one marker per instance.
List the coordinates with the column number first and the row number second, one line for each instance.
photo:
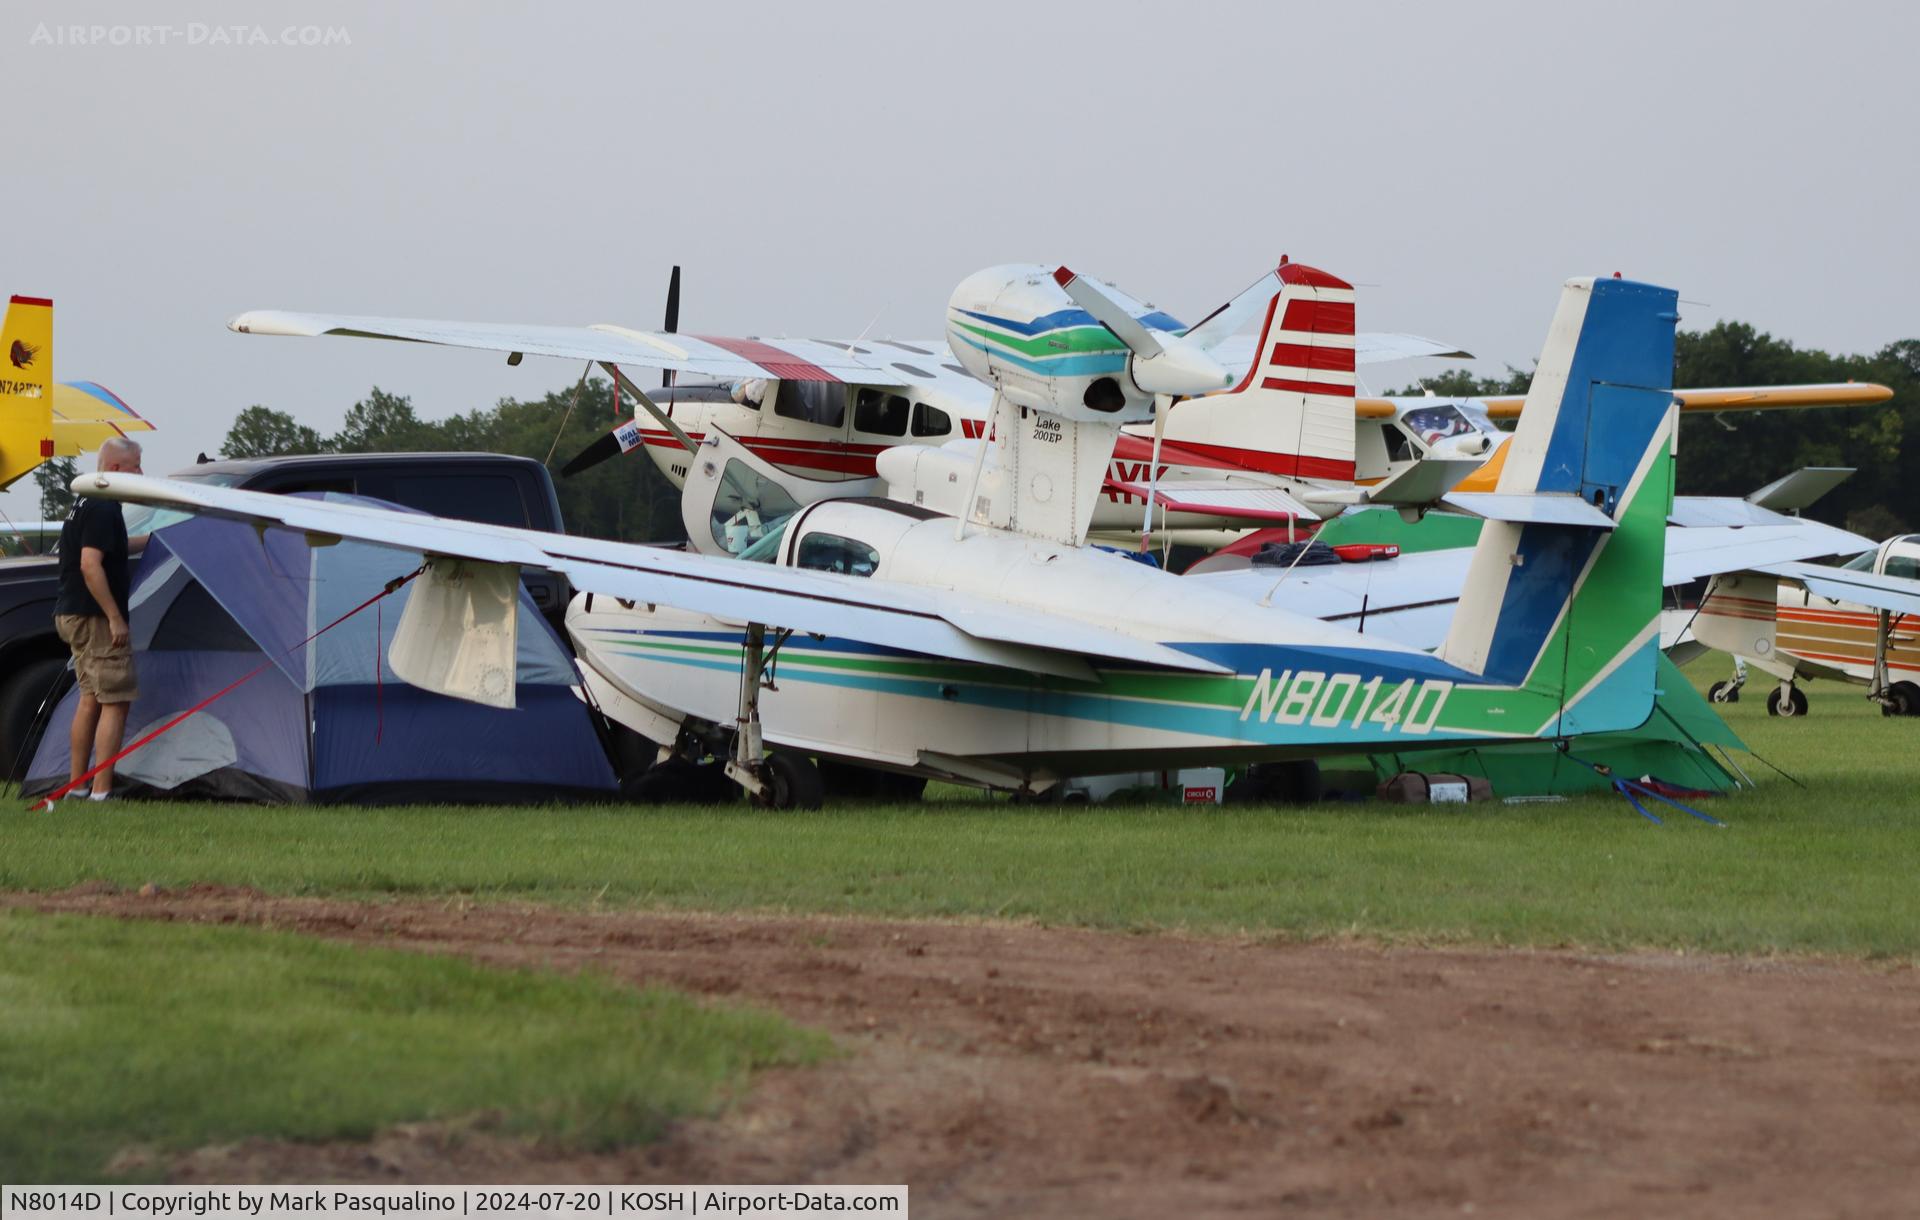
column 1800, row 489
column 1424, row 482
column 1544, row 508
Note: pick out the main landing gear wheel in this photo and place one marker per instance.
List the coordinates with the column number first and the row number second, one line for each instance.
column 1290, row 783
column 1794, row 703
column 1902, row 699
column 1724, row 692
column 792, row 782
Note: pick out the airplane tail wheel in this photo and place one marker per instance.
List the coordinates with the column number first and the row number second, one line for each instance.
column 793, row 782
column 1723, row 692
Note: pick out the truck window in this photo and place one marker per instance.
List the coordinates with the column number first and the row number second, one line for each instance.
column 879, row 412
column 491, row 498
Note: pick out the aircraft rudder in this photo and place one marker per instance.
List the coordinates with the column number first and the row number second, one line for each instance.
column 26, row 386
column 1565, row 609
column 1291, row 414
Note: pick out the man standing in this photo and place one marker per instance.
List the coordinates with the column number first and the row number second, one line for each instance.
column 91, row 616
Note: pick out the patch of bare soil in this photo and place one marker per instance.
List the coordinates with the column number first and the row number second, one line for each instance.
column 1032, row 1071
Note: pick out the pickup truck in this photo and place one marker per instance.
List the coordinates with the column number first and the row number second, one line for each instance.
column 489, row 487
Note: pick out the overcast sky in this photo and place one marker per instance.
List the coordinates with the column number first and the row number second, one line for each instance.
column 816, row 166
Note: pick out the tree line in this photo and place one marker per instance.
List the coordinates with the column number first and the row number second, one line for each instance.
column 1724, row 455
column 625, row 498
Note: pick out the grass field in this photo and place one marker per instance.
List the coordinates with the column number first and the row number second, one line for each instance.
column 118, row 1036
column 1826, row 868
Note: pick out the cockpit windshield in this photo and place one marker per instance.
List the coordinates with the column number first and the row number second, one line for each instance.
column 1436, row 424
column 750, row 513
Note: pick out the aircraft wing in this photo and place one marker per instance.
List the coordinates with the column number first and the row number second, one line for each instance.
column 933, row 622
column 1738, row 398
column 1410, row 599
column 1891, row 593
column 1219, row 498
column 87, row 415
column 714, row 356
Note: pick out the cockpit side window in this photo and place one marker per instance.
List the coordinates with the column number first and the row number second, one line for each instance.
column 1904, row 566
column 930, row 421
column 880, row 413
column 750, row 513
column 816, row 402
column 832, row 553
column 1435, row 424
column 1399, row 445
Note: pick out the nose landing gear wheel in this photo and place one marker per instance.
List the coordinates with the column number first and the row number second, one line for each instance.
column 1723, row 692
column 1794, row 703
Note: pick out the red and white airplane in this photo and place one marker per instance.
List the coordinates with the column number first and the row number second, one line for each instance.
column 824, row 410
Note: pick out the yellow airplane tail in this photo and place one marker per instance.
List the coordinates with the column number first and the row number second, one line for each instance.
column 26, row 387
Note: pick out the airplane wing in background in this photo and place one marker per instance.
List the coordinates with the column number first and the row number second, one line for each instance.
column 87, row 414
column 878, row 362
column 1739, row 398
column 713, row 356
column 1218, row 498
column 932, row 622
column 1410, row 599
column 1894, row 594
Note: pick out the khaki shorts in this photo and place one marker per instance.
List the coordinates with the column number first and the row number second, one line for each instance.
column 105, row 672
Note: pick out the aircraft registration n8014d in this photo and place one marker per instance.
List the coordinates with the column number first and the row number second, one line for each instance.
column 994, row 648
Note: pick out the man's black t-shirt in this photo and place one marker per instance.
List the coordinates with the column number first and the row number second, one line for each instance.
column 95, row 523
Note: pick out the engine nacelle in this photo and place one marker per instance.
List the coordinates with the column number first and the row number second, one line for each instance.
column 1014, row 328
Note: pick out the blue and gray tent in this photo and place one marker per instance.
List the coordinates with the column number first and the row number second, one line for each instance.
column 327, row 721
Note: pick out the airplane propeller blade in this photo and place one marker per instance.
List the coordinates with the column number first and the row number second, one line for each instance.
column 673, row 318
column 624, row 438
column 1162, row 363
column 607, row 446
column 1109, row 313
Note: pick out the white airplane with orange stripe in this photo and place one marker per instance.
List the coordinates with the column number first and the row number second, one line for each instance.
column 823, row 411
column 1799, row 621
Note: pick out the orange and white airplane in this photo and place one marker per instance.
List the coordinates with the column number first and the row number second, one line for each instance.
column 1800, row 621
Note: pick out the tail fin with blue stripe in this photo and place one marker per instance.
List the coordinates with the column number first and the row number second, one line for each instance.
column 1563, row 593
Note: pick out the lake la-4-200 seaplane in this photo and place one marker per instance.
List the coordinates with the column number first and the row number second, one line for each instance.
column 995, row 647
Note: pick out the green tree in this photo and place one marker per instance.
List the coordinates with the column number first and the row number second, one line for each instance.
column 1733, row 453
column 263, row 432
column 1459, row 383
column 625, row 498
column 386, row 423
column 54, row 478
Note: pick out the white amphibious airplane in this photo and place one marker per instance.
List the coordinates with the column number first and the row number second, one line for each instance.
column 994, row 649
column 1800, row 621
column 823, row 410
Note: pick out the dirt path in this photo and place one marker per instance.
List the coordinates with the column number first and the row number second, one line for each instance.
column 1015, row 1070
